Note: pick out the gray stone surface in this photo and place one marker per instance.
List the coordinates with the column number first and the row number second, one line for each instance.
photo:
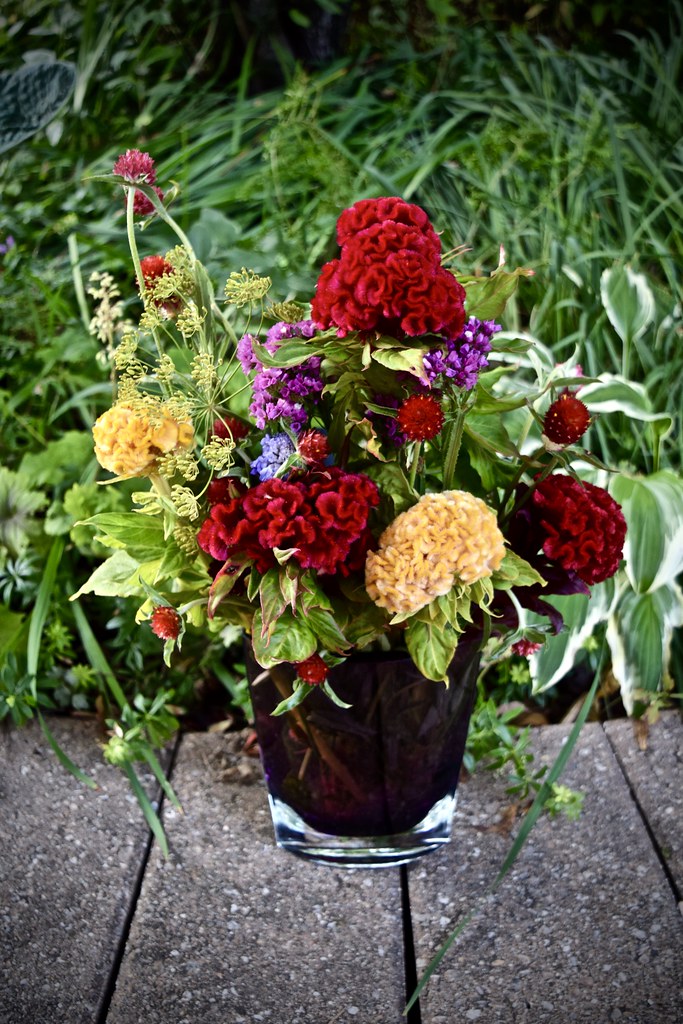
column 585, row 927
column 653, row 764
column 69, row 858
column 231, row 930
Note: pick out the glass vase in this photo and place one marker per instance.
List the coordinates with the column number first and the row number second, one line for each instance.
column 373, row 784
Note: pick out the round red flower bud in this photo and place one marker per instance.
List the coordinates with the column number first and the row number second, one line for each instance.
column 420, row 417
column 230, row 427
column 566, row 420
column 165, row 622
column 312, row 671
column 525, row 648
column 153, row 267
column 313, row 446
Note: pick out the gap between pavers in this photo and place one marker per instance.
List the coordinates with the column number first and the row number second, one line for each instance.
column 69, row 862
column 583, row 930
column 231, row 929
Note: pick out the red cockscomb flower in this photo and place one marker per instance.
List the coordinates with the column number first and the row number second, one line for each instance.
column 321, row 517
column 312, row 671
column 165, row 622
column 420, row 417
column 388, row 276
column 583, row 525
column 566, row 420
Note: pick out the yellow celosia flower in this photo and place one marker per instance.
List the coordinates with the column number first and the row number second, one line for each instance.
column 129, row 440
column 443, row 540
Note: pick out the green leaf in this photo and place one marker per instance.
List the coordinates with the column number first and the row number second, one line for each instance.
column 489, row 432
column 31, row 97
column 431, row 648
column 327, row 689
column 653, row 509
column 130, row 530
column 291, row 639
column 42, row 607
column 628, row 302
column 10, row 629
column 409, row 360
column 150, row 814
column 639, row 634
column 326, row 629
column 613, row 393
column 487, row 297
column 515, row 571
column 117, row 577
column 301, row 690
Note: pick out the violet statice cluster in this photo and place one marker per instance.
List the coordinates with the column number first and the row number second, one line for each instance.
column 279, row 392
column 275, row 450
column 460, row 361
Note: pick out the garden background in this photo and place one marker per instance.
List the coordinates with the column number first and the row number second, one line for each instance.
column 553, row 130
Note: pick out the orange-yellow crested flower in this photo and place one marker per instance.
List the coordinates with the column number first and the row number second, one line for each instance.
column 129, row 440
column 444, row 539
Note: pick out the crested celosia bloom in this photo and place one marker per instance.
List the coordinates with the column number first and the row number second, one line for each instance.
column 583, row 526
column 566, row 420
column 388, row 276
column 443, row 540
column 129, row 441
column 420, row 417
column 321, row 517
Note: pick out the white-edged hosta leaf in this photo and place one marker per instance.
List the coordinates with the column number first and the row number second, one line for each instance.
column 582, row 614
column 628, row 302
column 613, row 393
column 653, row 508
column 639, row 633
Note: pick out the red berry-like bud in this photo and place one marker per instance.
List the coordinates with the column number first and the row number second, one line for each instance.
column 165, row 622
column 420, row 417
column 153, row 267
column 313, row 670
column 566, row 420
column 313, row 447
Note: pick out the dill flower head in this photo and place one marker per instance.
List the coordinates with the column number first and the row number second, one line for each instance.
column 130, row 440
column 443, row 540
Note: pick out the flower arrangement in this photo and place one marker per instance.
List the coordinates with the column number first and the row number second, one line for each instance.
column 373, row 468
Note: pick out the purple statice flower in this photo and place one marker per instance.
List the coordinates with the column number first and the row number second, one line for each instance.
column 279, row 393
column 275, row 450
column 462, row 359
column 6, row 245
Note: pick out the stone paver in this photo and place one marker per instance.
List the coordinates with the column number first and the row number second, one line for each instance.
column 585, row 928
column 69, row 862
column 231, row 930
column 654, row 768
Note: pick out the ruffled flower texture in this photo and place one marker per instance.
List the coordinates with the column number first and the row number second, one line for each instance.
column 321, row 517
column 444, row 539
column 583, row 525
column 128, row 441
column 388, row 276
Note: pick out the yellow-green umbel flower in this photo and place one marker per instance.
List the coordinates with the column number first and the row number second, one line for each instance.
column 130, row 440
column 443, row 540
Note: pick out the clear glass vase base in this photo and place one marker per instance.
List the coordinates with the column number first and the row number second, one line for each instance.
column 294, row 835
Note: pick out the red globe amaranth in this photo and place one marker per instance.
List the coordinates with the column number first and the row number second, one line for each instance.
column 525, row 648
column 165, row 622
column 420, row 417
column 566, row 420
column 230, row 427
column 136, row 166
column 313, row 447
column 583, row 526
column 312, row 671
column 321, row 516
column 388, row 276
column 153, row 267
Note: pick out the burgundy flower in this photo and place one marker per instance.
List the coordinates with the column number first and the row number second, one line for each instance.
column 312, row 671
column 230, row 427
column 313, row 447
column 420, row 417
column 135, row 166
column 388, row 276
column 165, row 622
column 566, row 420
column 582, row 525
column 322, row 516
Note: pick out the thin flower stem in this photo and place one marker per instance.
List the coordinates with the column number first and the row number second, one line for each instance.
column 545, row 472
column 133, row 245
column 454, row 441
column 417, row 452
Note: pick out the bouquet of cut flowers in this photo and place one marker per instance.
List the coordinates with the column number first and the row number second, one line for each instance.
column 378, row 466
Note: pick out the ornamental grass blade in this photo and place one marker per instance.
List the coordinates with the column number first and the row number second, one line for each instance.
column 150, row 814
column 529, row 821
column 96, row 656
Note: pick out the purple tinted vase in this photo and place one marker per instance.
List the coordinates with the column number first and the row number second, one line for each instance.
column 373, row 784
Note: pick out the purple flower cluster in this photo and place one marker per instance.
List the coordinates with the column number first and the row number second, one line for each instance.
column 462, row 359
column 388, row 425
column 275, row 450
column 279, row 392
